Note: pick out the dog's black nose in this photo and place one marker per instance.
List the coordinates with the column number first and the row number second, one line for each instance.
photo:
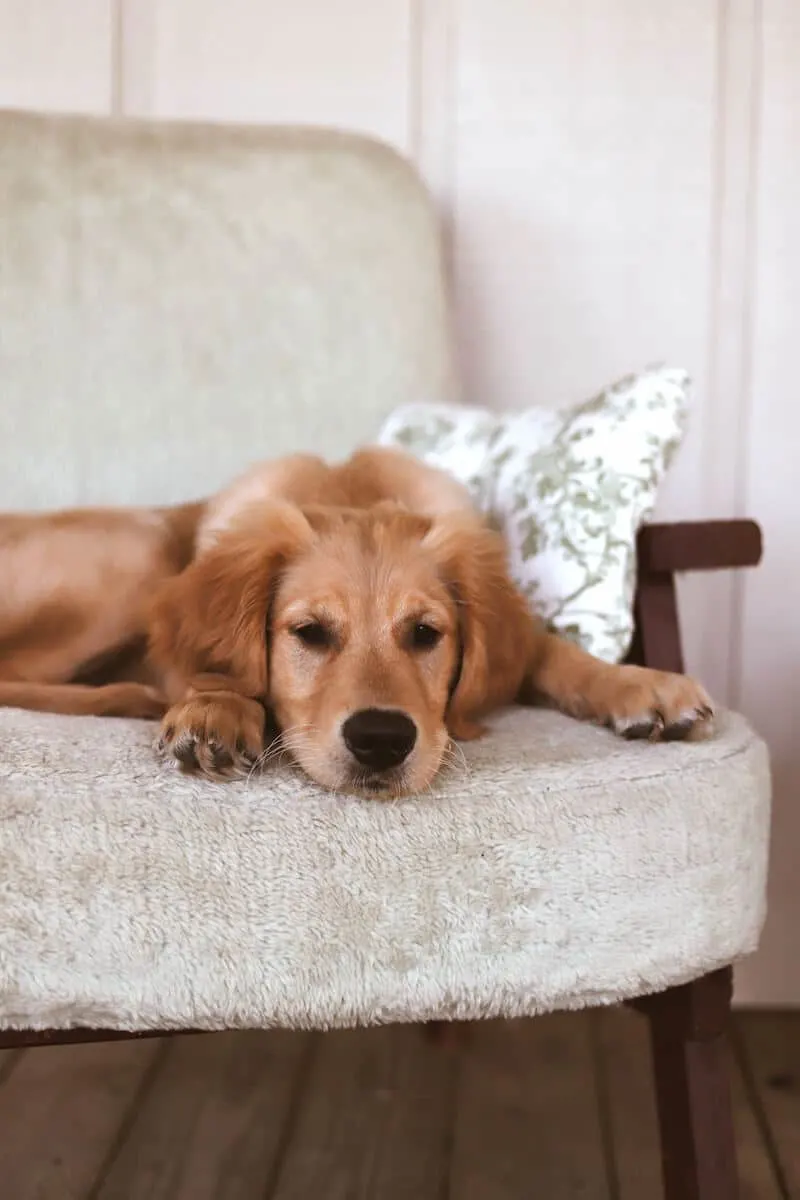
column 379, row 738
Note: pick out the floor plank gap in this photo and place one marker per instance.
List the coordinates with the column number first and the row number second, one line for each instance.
column 293, row 1112
column 741, row 1059
column 457, row 1050
column 138, row 1101
column 603, row 1096
column 60, row 1112
column 8, row 1064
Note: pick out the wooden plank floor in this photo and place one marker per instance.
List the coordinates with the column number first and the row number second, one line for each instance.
column 557, row 1108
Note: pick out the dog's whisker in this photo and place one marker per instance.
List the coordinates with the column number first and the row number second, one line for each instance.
column 278, row 749
column 295, row 732
column 453, row 757
column 267, row 755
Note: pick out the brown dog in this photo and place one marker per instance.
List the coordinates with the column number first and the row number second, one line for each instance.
column 366, row 605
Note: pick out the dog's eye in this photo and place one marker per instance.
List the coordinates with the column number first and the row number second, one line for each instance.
column 313, row 634
column 424, row 637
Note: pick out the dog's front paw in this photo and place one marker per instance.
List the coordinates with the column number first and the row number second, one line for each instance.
column 657, row 705
column 220, row 735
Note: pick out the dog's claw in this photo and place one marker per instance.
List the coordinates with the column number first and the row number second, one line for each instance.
column 654, row 726
column 184, row 748
column 639, row 731
column 221, row 757
column 163, row 742
column 679, row 730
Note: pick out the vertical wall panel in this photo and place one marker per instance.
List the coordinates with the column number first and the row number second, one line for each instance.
column 586, row 195
column 56, row 54
column 343, row 63
column 769, row 644
column 712, row 475
column 432, row 78
column 585, row 151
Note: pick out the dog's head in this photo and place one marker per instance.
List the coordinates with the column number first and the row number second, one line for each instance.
column 374, row 635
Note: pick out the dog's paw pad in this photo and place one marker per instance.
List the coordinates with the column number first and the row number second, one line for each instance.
column 656, row 726
column 638, row 729
column 221, row 757
column 184, row 749
column 682, row 727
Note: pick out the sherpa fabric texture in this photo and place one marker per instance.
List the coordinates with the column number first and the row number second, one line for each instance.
column 568, row 488
column 561, row 867
column 178, row 300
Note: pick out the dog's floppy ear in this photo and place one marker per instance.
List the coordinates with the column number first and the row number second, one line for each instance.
column 498, row 633
column 212, row 618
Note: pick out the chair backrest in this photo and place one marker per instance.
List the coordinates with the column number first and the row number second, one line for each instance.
column 178, row 301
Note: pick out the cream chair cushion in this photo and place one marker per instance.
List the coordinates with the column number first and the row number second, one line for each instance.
column 560, row 867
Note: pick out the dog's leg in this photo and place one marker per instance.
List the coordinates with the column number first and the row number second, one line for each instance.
column 635, row 702
column 110, row 700
column 73, row 590
column 208, row 643
column 215, row 729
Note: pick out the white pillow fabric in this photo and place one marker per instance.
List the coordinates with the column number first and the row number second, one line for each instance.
column 569, row 488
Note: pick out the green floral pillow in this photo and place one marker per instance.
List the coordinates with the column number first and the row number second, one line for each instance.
column 569, row 489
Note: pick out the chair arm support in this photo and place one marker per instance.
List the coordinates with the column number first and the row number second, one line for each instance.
column 662, row 551
column 698, row 546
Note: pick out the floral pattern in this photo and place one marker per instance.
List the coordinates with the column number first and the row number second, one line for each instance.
column 568, row 488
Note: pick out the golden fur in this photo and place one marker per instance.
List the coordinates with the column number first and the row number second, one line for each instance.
column 316, row 593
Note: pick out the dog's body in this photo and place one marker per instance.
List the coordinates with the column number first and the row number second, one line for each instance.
column 366, row 604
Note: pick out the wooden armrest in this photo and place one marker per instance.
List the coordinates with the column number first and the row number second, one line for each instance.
column 698, row 546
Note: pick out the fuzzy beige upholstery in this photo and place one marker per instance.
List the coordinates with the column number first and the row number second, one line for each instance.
column 176, row 302
column 560, row 867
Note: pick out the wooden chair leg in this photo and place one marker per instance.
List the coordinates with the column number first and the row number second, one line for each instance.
column 688, row 1028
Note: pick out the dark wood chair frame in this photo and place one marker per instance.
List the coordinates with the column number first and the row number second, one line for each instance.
column 688, row 1024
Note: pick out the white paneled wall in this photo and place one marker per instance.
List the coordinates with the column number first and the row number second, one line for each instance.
column 620, row 182
column 56, row 55
column 767, row 650
column 344, row 62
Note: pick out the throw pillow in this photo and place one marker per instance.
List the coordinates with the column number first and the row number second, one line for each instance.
column 569, row 489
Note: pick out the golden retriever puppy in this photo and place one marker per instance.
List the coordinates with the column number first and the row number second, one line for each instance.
column 365, row 605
